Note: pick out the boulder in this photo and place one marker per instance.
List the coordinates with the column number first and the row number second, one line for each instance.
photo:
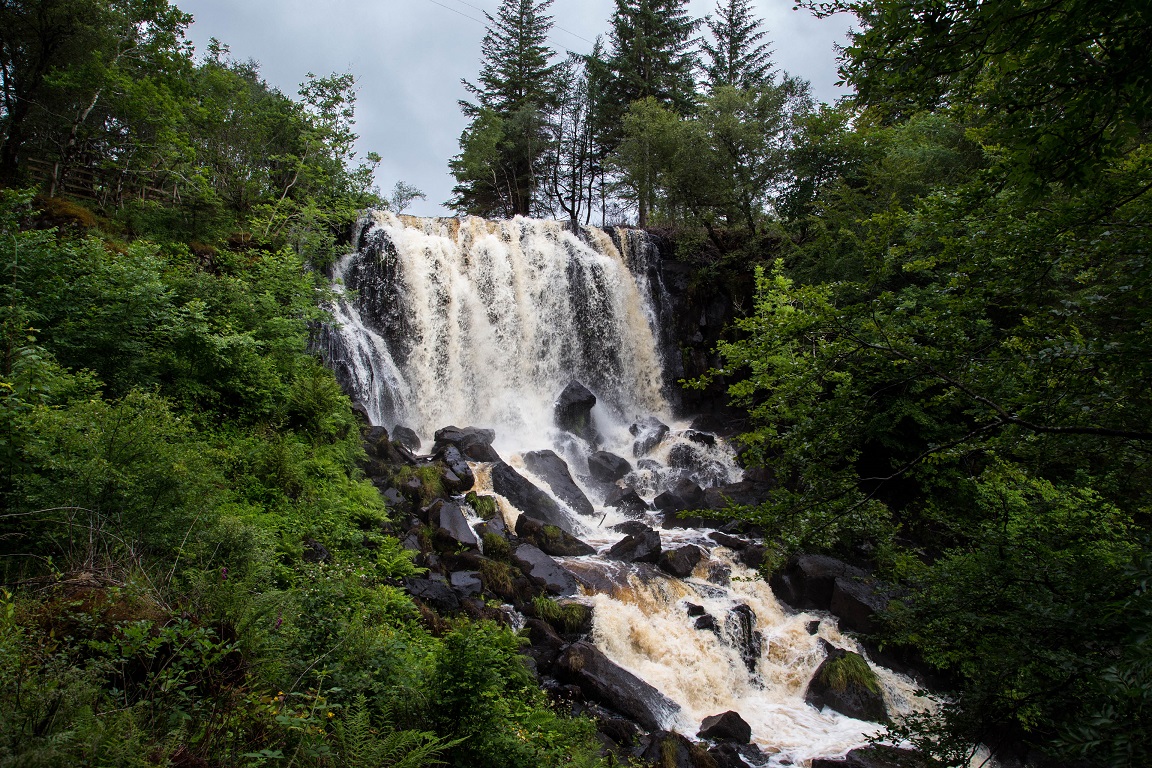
column 541, row 566
column 630, row 527
column 700, row 438
column 626, row 500
column 680, row 562
column 749, row 553
column 707, row 622
column 607, row 467
column 727, row 756
column 671, row 750
column 648, row 434
column 526, row 497
column 407, row 437
column 873, row 757
column 360, row 411
column 453, row 460
column 741, row 625
column 844, row 682
column 728, row 726
column 448, row 517
column 819, row 582
column 857, row 602
column 435, row 594
column 550, row 539
column 745, row 492
column 315, row 552
column 466, row 583
column 643, row 547
column 679, row 519
column 573, row 411
column 473, row 442
column 603, row 681
column 553, row 470
column 694, row 610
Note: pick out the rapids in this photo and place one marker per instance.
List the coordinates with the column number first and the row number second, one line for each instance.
column 478, row 323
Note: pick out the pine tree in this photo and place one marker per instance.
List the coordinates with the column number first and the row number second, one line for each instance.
column 501, row 149
column 652, row 53
column 738, row 54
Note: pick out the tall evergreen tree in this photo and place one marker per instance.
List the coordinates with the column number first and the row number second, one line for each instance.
column 738, row 54
column 652, row 53
column 501, row 149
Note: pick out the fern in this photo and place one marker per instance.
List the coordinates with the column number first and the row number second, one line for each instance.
column 362, row 746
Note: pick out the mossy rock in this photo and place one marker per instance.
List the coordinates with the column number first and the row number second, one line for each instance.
column 844, row 682
column 484, row 506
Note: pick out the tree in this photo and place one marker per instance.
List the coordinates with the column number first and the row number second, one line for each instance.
column 572, row 167
column 738, row 55
column 516, row 89
column 1061, row 84
column 59, row 59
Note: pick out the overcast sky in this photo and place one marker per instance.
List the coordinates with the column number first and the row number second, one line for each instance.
column 409, row 56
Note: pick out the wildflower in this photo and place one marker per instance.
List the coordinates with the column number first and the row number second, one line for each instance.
column 223, row 574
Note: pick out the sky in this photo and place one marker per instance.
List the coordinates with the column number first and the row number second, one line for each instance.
column 409, row 57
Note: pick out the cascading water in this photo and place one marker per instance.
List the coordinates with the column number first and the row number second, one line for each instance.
column 479, row 323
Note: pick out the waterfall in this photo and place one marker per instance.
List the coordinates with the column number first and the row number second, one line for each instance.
column 478, row 323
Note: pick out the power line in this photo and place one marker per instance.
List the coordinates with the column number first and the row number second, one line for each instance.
column 450, row 8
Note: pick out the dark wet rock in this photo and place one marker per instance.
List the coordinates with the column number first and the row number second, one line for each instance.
column 605, row 682
column 435, row 594
column 361, row 414
column 680, row 519
column 407, row 437
column 700, row 438
column 684, row 495
column 573, row 411
column 873, row 757
column 728, row 726
column 541, row 566
column 553, row 470
column 719, row 573
column 749, row 553
column 680, row 562
column 694, row 610
column 641, row 547
column 648, row 434
column 473, row 442
column 650, row 465
column 741, row 625
column 393, row 498
column 626, row 500
column 550, row 539
column 857, row 602
column 727, row 756
column 526, row 497
column 608, row 467
column 618, row 728
column 631, row 527
column 466, row 583
column 315, row 552
column 707, row 622
column 844, row 682
column 375, row 440
column 745, row 493
column 451, row 520
column 671, row 750
column 813, row 627
column 496, row 526
column 545, row 644
column 453, row 460
column 819, row 582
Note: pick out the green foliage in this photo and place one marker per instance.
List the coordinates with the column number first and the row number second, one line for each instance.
column 849, row 670
column 568, row 617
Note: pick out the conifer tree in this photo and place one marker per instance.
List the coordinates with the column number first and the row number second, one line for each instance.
column 738, row 54
column 652, row 53
column 501, row 148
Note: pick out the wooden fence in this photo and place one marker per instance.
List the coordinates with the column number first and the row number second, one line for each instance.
column 106, row 187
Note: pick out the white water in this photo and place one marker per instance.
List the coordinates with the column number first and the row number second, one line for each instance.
column 498, row 317
column 479, row 323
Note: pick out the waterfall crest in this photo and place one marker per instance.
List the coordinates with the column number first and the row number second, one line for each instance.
column 484, row 323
